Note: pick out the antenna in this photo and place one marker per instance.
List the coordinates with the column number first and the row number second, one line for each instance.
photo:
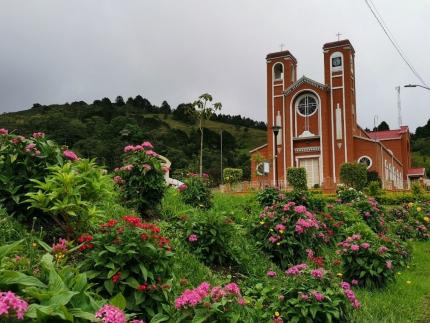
column 375, row 121
column 399, row 106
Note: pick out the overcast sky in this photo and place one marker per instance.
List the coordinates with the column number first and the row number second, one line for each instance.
column 57, row 51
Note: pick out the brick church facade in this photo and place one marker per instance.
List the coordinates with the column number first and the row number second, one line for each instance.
column 318, row 126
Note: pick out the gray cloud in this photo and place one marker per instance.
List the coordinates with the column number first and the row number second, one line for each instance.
column 56, row 51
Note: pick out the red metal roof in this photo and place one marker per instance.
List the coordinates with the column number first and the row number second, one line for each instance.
column 388, row 134
column 416, row 171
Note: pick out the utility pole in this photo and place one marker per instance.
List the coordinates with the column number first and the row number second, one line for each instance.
column 399, row 106
column 222, row 176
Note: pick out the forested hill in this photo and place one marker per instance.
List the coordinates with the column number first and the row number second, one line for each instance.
column 421, row 147
column 101, row 129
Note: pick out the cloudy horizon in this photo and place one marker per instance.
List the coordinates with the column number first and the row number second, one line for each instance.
column 57, row 51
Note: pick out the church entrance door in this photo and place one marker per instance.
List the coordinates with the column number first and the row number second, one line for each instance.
column 312, row 170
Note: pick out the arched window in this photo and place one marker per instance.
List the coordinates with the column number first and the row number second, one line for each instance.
column 278, row 72
column 366, row 160
column 336, row 62
column 307, row 104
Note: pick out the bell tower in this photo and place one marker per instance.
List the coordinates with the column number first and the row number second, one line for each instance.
column 339, row 74
column 281, row 69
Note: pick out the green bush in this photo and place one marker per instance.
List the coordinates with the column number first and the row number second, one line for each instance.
column 297, row 178
column 22, row 160
column 196, row 192
column 129, row 259
column 417, row 190
column 347, row 194
column 268, row 196
column 141, row 178
column 232, row 175
column 372, row 213
column 374, row 189
column 354, row 175
column 68, row 195
column 206, row 235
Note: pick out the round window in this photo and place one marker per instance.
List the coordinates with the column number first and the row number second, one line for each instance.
column 366, row 161
column 307, row 105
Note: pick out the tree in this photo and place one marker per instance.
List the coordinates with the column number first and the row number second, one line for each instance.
column 165, row 108
column 119, row 101
column 383, row 126
column 354, row 175
column 203, row 109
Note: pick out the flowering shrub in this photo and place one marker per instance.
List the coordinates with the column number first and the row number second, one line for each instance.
column 206, row 234
column 286, row 231
column 12, row 305
column 196, row 191
column 23, row 159
column 369, row 262
column 420, row 219
column 347, row 194
column 296, row 177
column 141, row 178
column 68, row 194
column 313, row 295
column 371, row 212
column 130, row 258
column 409, row 222
column 210, row 304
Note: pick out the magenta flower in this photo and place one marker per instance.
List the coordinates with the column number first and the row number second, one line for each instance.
column 118, row 180
column 382, row 249
column 111, row 314
column 318, row 273
column 355, row 247
column 300, row 209
column 190, row 298
column 365, row 245
column 4, row 131
column 354, row 282
column 389, row 264
column 10, row 302
column 217, row 293
column 296, row 270
column 318, row 296
column 182, row 187
column 128, row 148
column 30, row 147
column 70, row 155
column 274, row 239
column 151, row 153
column 147, row 144
column 38, row 135
column 280, row 227
column 356, row 237
column 271, row 273
column 232, row 288
column 193, row 238
column 61, row 246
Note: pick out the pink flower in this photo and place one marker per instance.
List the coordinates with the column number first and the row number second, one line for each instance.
column 288, row 206
column 127, row 168
column 128, row 148
column 318, row 296
column 354, row 282
column 111, row 314
column 365, row 245
column 241, row 301
column 18, row 139
column 280, row 227
column 38, row 135
column 232, row 288
column 70, row 155
column 118, row 180
column 318, row 273
column 355, row 247
column 296, row 270
column 4, row 131
column 147, row 144
column 217, row 293
column 274, row 239
column 61, row 246
column 146, row 167
column 192, row 238
column 10, row 302
column 182, row 187
column 271, row 273
column 190, row 298
column 345, row 285
column 382, row 249
column 389, row 264
column 300, row 209
column 356, row 237
column 303, row 296
column 310, row 254
column 151, row 153
column 30, row 147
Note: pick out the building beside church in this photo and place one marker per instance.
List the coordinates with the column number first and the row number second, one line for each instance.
column 319, row 129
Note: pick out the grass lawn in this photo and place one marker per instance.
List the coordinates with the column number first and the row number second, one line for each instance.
column 406, row 300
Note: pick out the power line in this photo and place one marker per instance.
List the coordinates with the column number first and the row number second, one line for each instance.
column 390, row 36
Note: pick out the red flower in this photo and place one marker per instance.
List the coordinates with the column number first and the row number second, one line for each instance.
column 134, row 220
column 85, row 238
column 144, row 236
column 116, row 278
column 142, row 287
column 109, row 224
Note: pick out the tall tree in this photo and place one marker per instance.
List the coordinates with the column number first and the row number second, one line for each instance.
column 203, row 109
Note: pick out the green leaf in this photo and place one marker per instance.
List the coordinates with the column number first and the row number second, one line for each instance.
column 119, row 301
column 160, row 317
column 62, row 298
column 9, row 277
column 144, row 271
column 9, row 248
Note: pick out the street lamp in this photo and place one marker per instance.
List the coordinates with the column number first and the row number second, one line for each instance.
column 276, row 128
column 417, row 85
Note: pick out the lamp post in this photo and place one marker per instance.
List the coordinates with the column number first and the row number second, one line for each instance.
column 417, row 85
column 276, row 130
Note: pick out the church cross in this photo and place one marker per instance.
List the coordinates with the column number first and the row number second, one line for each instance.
column 338, row 36
column 282, row 46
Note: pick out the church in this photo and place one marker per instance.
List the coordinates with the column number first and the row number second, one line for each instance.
column 314, row 125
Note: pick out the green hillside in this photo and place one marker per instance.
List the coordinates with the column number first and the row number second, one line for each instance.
column 101, row 129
